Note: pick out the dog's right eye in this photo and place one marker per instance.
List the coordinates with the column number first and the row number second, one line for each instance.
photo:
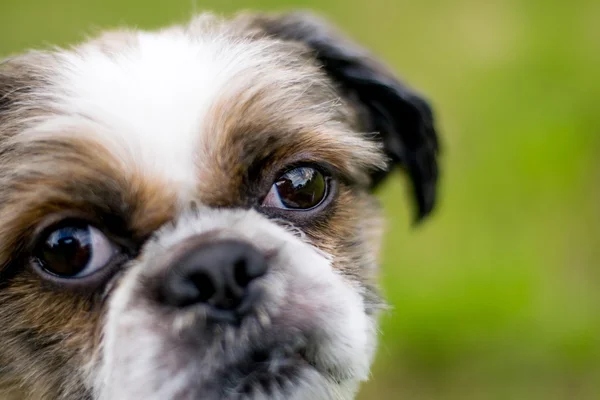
column 301, row 188
column 74, row 251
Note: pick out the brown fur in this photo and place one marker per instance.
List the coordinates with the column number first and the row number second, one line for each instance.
column 310, row 125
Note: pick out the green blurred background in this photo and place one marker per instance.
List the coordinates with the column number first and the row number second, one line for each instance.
column 497, row 295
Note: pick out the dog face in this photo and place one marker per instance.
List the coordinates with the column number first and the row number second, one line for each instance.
column 187, row 213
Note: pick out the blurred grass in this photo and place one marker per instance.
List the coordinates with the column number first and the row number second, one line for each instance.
column 496, row 296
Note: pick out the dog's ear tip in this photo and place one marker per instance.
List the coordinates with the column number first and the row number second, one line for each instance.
column 425, row 206
column 423, row 170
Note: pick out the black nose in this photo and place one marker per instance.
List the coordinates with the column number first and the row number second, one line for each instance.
column 217, row 274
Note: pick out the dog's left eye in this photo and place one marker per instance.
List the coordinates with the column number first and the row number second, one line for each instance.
column 74, row 251
column 300, row 188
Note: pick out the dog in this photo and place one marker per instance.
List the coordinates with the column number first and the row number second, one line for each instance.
column 189, row 213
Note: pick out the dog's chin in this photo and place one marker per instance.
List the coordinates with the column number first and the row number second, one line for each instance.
column 267, row 364
column 282, row 370
column 259, row 375
column 279, row 372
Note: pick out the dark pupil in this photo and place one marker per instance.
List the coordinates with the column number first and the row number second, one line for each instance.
column 301, row 188
column 67, row 251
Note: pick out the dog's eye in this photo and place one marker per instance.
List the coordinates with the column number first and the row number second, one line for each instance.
column 74, row 251
column 301, row 188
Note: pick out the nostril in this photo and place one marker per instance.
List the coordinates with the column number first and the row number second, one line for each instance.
column 249, row 267
column 205, row 286
column 240, row 273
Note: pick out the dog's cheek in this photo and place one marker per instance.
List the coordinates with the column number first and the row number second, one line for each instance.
column 352, row 235
column 46, row 339
column 322, row 302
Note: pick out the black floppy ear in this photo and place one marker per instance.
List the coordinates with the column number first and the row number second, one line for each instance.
column 401, row 118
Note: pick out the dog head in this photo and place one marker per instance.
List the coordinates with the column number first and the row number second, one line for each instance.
column 188, row 213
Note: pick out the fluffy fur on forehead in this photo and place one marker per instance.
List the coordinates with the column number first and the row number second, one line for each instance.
column 175, row 102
